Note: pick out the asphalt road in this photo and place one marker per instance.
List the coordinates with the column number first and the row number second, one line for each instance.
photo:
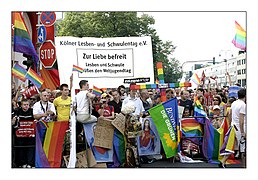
column 165, row 163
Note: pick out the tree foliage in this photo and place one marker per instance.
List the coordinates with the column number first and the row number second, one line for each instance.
column 122, row 24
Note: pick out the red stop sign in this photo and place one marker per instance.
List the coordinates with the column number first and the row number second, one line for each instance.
column 47, row 52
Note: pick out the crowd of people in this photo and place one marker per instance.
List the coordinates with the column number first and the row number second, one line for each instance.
column 55, row 105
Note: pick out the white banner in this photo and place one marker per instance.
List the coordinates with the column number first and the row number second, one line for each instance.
column 106, row 61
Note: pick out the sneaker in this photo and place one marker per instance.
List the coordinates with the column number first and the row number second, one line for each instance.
column 237, row 155
column 150, row 161
column 24, row 166
column 28, row 166
column 222, row 165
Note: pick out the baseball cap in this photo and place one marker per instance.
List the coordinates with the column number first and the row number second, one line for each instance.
column 216, row 107
column 104, row 95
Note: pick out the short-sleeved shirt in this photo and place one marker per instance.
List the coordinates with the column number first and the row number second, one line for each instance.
column 40, row 108
column 82, row 102
column 137, row 103
column 117, row 106
column 238, row 107
column 62, row 108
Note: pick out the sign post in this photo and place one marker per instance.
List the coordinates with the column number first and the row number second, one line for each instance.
column 47, row 52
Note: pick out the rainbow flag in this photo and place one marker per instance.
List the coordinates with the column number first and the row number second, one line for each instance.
column 240, row 38
column 195, row 79
column 157, row 81
column 34, row 78
column 199, row 113
column 191, row 128
column 229, row 141
column 40, row 156
column 53, row 143
column 96, row 91
column 213, row 141
column 78, row 69
column 22, row 41
column 19, row 72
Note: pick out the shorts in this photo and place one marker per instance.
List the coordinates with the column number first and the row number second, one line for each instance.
column 86, row 118
column 239, row 146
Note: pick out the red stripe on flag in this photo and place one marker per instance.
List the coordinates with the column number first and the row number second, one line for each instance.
column 59, row 146
column 53, row 144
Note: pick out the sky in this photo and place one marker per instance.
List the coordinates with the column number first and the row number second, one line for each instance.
column 199, row 35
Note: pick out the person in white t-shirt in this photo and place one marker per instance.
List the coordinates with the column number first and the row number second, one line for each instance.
column 43, row 109
column 83, row 103
column 238, row 114
column 136, row 101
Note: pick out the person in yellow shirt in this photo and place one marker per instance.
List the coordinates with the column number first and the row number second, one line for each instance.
column 62, row 104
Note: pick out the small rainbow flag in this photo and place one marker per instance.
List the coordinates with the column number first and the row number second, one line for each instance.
column 240, row 38
column 157, row 81
column 21, row 41
column 19, row 72
column 195, row 79
column 96, row 91
column 34, row 78
column 199, row 113
column 191, row 129
column 77, row 68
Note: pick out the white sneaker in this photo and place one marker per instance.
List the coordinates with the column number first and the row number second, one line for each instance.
column 24, row 166
column 28, row 166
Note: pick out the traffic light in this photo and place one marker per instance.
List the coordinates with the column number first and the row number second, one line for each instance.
column 213, row 60
column 28, row 62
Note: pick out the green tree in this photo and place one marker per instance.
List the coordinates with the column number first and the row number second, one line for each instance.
column 122, row 24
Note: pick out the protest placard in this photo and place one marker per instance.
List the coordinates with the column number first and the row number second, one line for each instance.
column 119, row 122
column 104, row 133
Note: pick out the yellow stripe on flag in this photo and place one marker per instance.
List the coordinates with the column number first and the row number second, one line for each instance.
column 20, row 25
column 242, row 33
column 48, row 138
column 143, row 86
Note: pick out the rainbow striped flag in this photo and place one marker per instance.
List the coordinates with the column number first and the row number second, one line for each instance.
column 78, row 69
column 199, row 113
column 191, row 128
column 214, row 139
column 195, row 79
column 40, row 156
column 22, row 41
column 96, row 91
column 229, row 141
column 34, row 78
column 19, row 72
column 53, row 143
column 240, row 38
